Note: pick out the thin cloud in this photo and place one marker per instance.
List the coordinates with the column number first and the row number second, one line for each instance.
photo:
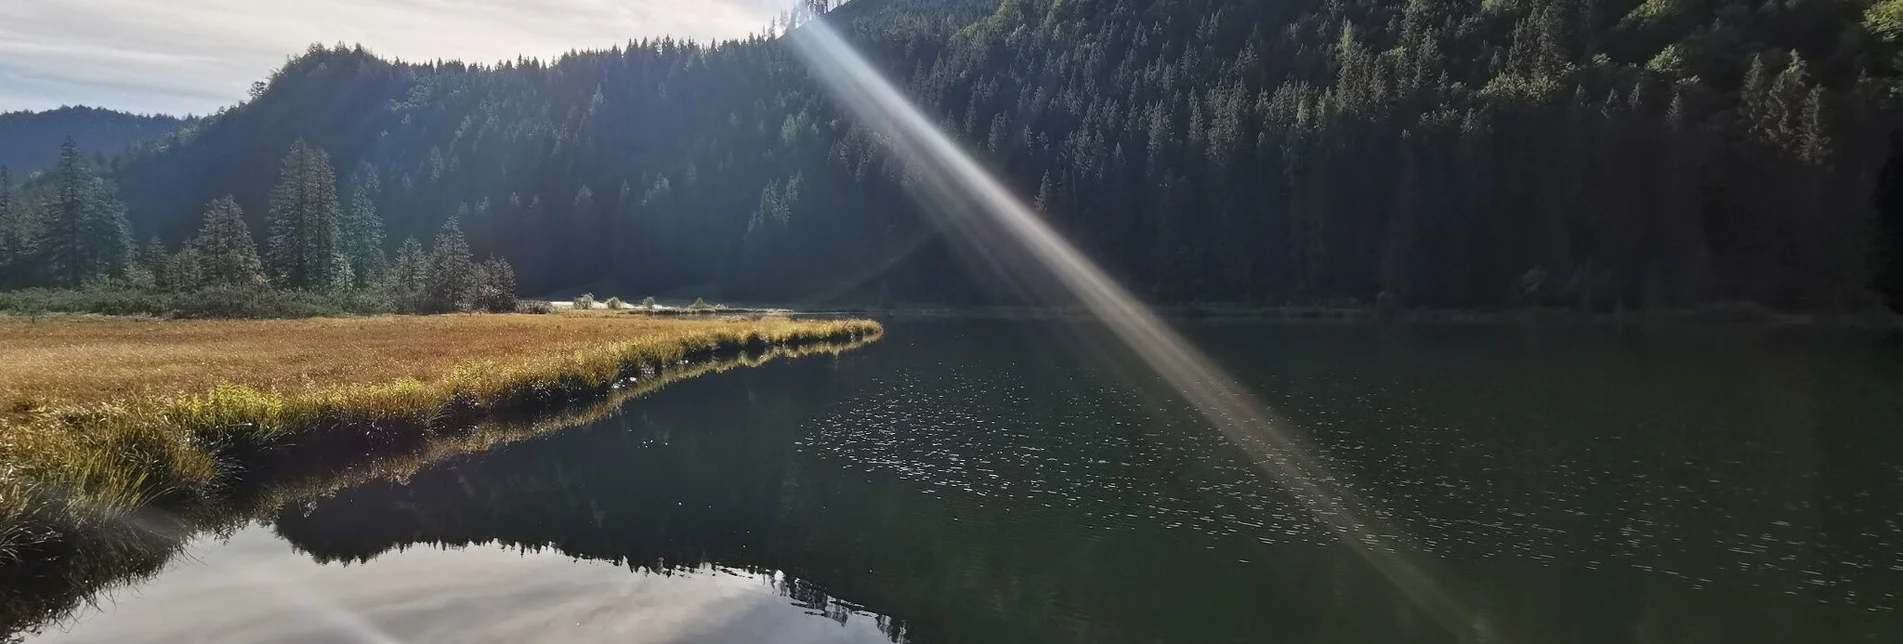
column 195, row 56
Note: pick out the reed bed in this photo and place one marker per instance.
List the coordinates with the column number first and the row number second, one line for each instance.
column 122, row 430
column 114, row 552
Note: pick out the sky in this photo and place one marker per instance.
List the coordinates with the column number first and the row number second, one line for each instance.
column 194, row 56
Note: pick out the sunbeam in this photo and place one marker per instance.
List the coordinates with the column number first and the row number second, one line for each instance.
column 984, row 210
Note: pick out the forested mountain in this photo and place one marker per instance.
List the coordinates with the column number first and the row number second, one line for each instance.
column 1596, row 153
column 30, row 141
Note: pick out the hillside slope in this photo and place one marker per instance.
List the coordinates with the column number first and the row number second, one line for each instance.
column 1588, row 153
column 30, row 141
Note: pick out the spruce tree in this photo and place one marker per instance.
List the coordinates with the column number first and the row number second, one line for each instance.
column 1754, row 98
column 138, row 274
column 180, row 272
column 408, row 278
column 83, row 234
column 1813, row 145
column 452, row 274
column 154, row 255
column 1786, row 105
column 14, row 234
column 339, row 277
column 302, row 250
column 497, row 290
column 769, row 205
column 361, row 237
column 226, row 253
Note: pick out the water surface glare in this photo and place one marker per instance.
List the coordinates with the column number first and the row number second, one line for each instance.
column 994, row 481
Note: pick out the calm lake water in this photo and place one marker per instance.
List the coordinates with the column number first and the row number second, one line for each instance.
column 988, row 481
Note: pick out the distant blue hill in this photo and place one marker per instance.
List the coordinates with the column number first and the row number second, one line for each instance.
column 30, row 141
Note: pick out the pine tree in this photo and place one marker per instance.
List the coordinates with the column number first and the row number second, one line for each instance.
column 136, row 275
column 180, row 272
column 1755, row 100
column 302, row 250
column 789, row 198
column 769, row 206
column 361, row 240
column 15, row 235
column 452, row 274
column 1785, row 114
column 340, row 277
column 408, row 278
column 83, row 233
column 226, row 253
column 496, row 293
column 154, row 255
column 1814, row 138
column 1042, row 204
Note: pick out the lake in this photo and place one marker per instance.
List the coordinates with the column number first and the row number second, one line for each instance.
column 1013, row 481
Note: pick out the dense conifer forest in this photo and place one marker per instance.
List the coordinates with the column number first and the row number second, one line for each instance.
column 1599, row 154
column 29, row 141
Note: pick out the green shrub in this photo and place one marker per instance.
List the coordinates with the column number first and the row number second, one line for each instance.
column 235, row 300
column 616, row 303
column 228, row 301
column 259, row 302
column 700, row 304
column 585, row 301
column 648, row 303
column 537, row 307
column 103, row 300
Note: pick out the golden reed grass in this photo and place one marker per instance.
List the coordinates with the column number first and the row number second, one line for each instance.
column 121, row 550
column 104, row 417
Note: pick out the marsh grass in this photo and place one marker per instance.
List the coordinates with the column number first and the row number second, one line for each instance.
column 124, row 546
column 88, row 476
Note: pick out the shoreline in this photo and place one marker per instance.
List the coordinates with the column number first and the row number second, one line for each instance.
column 136, row 477
column 1727, row 315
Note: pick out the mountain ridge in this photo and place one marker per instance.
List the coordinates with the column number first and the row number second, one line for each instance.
column 1426, row 153
column 30, row 140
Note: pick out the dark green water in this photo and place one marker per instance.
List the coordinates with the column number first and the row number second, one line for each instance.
column 1011, row 482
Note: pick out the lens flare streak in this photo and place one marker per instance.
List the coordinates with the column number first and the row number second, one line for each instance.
column 980, row 207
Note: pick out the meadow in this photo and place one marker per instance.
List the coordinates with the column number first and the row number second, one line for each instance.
column 108, row 423
column 59, row 364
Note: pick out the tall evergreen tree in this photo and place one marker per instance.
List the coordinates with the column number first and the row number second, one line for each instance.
column 226, row 253
column 361, row 235
column 452, row 273
column 407, row 282
column 154, row 255
column 83, row 235
column 302, row 250
column 496, row 292
column 181, row 271
column 15, row 235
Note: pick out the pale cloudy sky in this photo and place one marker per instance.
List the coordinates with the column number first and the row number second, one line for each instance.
column 194, row 56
